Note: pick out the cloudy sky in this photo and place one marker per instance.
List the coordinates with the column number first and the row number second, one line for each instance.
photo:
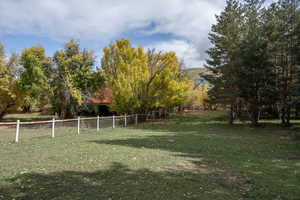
column 177, row 25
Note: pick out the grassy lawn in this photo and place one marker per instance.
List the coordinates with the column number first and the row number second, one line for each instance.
column 26, row 117
column 188, row 157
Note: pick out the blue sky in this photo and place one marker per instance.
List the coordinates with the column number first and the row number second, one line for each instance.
column 167, row 25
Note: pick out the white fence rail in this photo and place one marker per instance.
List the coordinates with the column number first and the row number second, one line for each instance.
column 17, row 131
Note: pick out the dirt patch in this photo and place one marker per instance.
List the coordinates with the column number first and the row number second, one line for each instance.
column 231, row 178
column 294, row 158
column 190, row 166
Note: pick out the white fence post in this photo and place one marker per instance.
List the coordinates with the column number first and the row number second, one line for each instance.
column 100, row 118
column 17, row 131
column 98, row 123
column 78, row 126
column 125, row 120
column 53, row 127
column 114, row 123
column 136, row 119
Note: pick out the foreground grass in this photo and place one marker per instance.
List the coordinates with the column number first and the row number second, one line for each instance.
column 188, row 157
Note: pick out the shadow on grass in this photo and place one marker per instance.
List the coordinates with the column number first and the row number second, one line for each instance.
column 260, row 153
column 227, row 162
column 195, row 136
column 120, row 182
column 216, row 121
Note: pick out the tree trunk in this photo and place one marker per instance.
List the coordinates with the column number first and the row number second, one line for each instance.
column 26, row 109
column 2, row 113
column 287, row 116
column 254, row 115
column 4, row 110
column 231, row 117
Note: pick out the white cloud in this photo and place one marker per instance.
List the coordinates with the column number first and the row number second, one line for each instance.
column 102, row 20
column 186, row 51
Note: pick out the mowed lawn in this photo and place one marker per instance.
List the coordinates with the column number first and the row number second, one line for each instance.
column 187, row 157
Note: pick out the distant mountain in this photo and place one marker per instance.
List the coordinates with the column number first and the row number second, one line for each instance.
column 194, row 73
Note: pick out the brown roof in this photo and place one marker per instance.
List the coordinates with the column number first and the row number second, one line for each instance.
column 102, row 97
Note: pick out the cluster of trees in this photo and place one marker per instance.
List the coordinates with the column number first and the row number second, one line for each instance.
column 10, row 94
column 254, row 59
column 197, row 96
column 140, row 81
column 62, row 83
column 143, row 81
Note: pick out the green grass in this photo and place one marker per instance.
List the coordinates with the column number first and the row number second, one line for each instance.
column 187, row 157
column 26, row 117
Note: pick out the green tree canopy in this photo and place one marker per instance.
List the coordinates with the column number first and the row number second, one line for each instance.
column 11, row 95
column 74, row 79
column 35, row 76
column 140, row 81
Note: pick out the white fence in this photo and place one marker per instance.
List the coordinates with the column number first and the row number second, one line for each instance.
column 16, row 131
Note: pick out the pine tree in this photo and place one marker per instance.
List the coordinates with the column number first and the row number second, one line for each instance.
column 280, row 21
column 222, row 64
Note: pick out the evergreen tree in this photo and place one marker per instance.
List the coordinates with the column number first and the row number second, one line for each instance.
column 283, row 40
column 256, row 75
column 222, row 64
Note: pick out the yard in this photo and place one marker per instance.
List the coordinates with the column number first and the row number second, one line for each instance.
column 186, row 157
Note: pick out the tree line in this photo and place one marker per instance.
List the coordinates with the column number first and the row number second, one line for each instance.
column 254, row 60
column 141, row 81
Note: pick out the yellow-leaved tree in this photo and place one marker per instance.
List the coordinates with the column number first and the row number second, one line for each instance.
column 198, row 95
column 143, row 81
column 125, row 72
column 11, row 98
column 35, row 77
column 170, row 85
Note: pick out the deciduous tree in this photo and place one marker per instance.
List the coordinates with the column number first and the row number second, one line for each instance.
column 34, row 79
column 11, row 96
column 74, row 79
column 142, row 82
